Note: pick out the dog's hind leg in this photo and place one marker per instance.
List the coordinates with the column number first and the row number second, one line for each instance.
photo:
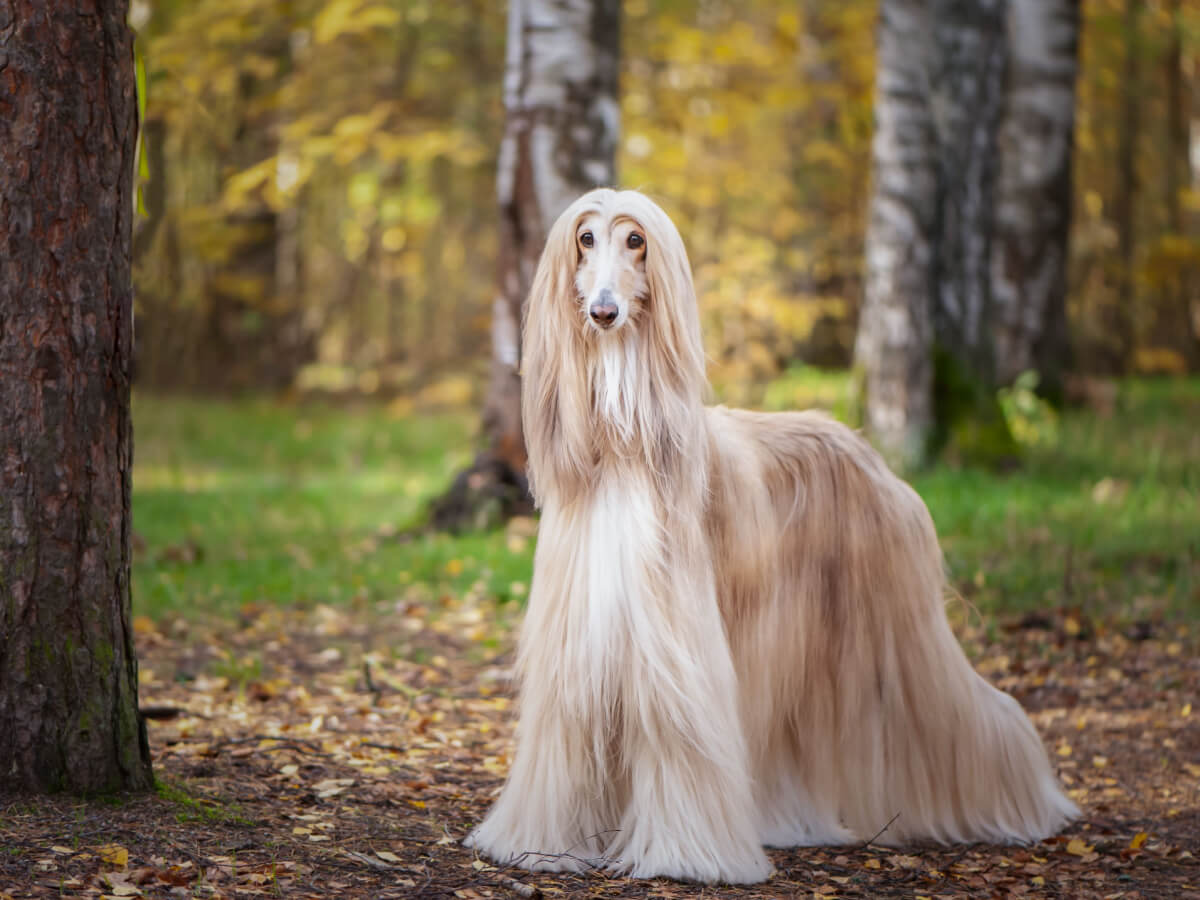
column 790, row 812
column 925, row 742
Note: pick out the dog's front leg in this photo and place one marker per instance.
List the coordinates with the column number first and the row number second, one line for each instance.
column 690, row 813
column 549, row 815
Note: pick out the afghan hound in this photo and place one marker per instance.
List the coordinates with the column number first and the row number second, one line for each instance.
column 736, row 632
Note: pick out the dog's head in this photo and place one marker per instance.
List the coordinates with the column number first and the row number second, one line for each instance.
column 611, row 274
column 616, row 258
column 611, row 331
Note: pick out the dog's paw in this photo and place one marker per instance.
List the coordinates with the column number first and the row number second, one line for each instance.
column 751, row 869
column 526, row 855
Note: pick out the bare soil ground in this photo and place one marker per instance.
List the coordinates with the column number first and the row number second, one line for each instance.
column 334, row 753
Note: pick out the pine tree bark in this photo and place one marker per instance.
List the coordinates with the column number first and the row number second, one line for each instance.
column 560, row 140
column 68, row 675
column 1033, row 204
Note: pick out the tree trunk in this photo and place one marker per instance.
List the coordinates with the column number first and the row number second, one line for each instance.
column 255, row 333
column 1181, row 318
column 1033, row 205
column 895, row 334
column 560, row 140
column 925, row 340
column 1122, row 320
column 68, row 675
column 1178, row 143
column 967, row 96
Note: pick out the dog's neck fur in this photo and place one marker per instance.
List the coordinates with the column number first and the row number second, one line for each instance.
column 635, row 417
column 612, row 372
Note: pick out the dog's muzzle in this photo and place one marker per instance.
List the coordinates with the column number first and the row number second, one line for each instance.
column 604, row 309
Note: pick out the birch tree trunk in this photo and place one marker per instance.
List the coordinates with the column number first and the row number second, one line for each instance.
column 924, row 345
column 895, row 334
column 1033, row 206
column 967, row 97
column 68, row 676
column 560, row 140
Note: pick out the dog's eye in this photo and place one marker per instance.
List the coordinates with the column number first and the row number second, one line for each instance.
column 586, row 239
column 635, row 241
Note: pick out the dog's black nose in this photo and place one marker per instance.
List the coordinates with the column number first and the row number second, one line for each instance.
column 604, row 310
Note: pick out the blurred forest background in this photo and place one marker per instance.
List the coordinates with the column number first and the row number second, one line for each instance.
column 321, row 202
column 322, row 254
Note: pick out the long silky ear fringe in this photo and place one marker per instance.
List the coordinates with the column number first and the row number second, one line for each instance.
column 554, row 399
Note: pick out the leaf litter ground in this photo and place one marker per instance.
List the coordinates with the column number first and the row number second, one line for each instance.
column 336, row 752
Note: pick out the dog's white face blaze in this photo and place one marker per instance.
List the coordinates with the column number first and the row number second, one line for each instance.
column 612, row 258
column 612, row 273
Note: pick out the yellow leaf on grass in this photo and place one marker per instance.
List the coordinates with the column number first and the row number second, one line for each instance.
column 1038, row 880
column 1186, row 711
column 872, row 864
column 113, row 855
column 387, row 857
column 1138, row 840
column 1077, row 847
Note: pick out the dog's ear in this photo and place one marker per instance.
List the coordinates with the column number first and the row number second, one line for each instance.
column 554, row 400
column 673, row 311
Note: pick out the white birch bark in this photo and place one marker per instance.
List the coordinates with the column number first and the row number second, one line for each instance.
column 560, row 140
column 967, row 82
column 892, row 350
column 938, row 103
column 1033, row 208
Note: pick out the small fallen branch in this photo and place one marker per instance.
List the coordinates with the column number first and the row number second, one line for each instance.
column 875, row 836
column 298, row 745
column 369, row 861
column 169, row 712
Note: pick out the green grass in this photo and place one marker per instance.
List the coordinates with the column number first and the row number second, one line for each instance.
column 194, row 809
column 254, row 502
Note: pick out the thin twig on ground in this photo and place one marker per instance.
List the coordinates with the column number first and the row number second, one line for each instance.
column 876, row 835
